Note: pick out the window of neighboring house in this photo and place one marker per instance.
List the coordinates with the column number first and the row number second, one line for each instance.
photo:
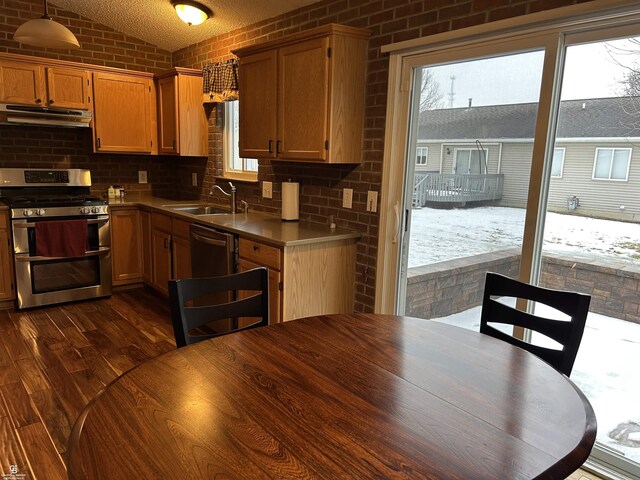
column 612, row 164
column 421, row 156
column 469, row 160
column 557, row 165
column 234, row 166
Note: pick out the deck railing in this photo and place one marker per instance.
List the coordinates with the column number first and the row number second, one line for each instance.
column 454, row 188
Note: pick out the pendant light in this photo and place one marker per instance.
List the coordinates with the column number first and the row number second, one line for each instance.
column 191, row 13
column 44, row 32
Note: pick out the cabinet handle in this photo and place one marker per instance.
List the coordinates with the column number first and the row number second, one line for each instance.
column 166, row 243
column 278, row 147
column 174, row 144
column 98, row 142
column 256, row 248
column 38, row 100
column 50, row 102
column 270, row 146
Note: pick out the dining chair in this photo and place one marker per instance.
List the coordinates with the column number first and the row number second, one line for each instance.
column 196, row 315
column 568, row 333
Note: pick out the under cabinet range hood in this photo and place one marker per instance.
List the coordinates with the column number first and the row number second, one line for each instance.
column 46, row 116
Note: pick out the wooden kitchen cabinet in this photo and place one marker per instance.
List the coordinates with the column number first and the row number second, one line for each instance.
column 274, row 292
column 7, row 288
column 170, row 250
column 126, row 246
column 145, row 232
column 303, row 96
column 182, row 121
column 124, row 113
column 32, row 83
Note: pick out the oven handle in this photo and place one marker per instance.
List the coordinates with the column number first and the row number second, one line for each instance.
column 92, row 253
column 33, row 224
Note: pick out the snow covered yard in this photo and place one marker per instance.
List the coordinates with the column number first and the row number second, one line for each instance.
column 606, row 368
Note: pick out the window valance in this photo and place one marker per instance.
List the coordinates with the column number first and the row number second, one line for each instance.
column 220, row 81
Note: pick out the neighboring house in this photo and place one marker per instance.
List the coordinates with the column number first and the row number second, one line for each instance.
column 596, row 157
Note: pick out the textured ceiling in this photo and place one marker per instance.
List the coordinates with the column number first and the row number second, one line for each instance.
column 156, row 22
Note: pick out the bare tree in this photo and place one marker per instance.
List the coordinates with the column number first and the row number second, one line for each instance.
column 627, row 55
column 430, row 93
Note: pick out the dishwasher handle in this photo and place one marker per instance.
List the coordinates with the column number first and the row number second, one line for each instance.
column 208, row 241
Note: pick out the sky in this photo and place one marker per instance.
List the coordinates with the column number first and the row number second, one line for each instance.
column 590, row 72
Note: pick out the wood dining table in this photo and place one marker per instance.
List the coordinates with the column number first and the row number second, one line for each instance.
column 361, row 396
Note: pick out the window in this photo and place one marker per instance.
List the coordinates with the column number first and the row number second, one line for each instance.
column 234, row 166
column 469, row 161
column 612, row 164
column 421, row 156
column 557, row 164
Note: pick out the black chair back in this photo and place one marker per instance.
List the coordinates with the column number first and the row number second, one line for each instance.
column 188, row 317
column 566, row 333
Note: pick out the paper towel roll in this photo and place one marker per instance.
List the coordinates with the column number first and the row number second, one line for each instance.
column 290, row 200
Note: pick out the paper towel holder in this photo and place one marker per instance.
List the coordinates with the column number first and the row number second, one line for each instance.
column 290, row 200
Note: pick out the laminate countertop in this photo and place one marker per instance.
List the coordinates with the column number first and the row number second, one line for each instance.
column 253, row 225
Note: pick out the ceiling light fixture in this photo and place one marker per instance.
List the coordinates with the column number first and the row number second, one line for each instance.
column 191, row 13
column 44, row 32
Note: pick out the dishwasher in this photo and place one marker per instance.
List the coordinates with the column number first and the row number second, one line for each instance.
column 213, row 253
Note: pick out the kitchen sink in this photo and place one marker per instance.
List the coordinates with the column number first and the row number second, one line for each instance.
column 201, row 210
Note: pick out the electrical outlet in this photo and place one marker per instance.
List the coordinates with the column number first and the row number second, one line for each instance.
column 142, row 176
column 267, row 190
column 194, row 179
column 372, row 201
column 347, row 197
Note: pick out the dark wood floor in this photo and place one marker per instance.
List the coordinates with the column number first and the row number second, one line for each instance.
column 53, row 360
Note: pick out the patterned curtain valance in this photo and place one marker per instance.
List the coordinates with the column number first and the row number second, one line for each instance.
column 220, row 81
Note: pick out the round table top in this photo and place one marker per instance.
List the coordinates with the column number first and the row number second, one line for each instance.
column 337, row 396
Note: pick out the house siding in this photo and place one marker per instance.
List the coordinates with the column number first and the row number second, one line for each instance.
column 516, row 167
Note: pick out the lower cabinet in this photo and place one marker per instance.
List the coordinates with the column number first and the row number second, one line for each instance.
column 274, row 292
column 170, row 250
column 126, row 246
column 7, row 289
column 147, row 261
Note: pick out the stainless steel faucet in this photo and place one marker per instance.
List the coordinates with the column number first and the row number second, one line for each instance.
column 232, row 195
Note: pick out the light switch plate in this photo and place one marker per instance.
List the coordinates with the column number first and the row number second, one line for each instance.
column 194, row 179
column 347, row 197
column 372, row 201
column 142, row 176
column 267, row 189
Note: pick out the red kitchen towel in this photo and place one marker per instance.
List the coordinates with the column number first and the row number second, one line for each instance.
column 61, row 238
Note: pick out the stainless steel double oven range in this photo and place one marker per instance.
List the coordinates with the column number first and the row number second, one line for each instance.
column 36, row 195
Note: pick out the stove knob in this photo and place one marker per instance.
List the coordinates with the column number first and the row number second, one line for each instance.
column 27, row 212
column 85, row 210
column 40, row 212
column 95, row 210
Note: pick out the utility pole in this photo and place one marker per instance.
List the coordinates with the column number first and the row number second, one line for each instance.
column 451, row 94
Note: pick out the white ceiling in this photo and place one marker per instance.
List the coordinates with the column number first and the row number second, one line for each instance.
column 156, row 22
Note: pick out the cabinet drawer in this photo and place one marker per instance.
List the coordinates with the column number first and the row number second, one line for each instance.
column 4, row 220
column 180, row 228
column 161, row 222
column 259, row 253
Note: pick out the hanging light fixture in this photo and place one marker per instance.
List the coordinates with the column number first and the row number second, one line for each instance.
column 44, row 32
column 191, row 13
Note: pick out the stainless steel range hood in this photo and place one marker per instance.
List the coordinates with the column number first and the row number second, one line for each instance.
column 52, row 117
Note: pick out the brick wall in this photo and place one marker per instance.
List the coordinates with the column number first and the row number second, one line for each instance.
column 100, row 45
column 389, row 21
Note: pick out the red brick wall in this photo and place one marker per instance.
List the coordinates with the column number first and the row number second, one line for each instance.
column 100, row 45
column 321, row 186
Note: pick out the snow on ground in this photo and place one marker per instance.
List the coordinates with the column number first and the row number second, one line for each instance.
column 607, row 363
column 438, row 234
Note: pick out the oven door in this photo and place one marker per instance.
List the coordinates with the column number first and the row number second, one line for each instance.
column 50, row 280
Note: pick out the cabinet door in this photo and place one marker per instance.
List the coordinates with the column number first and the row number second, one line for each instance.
column 67, row 87
column 161, row 251
column 122, row 113
column 6, row 261
column 22, row 83
column 274, row 293
column 257, row 78
column 168, row 115
column 193, row 124
column 126, row 248
column 303, row 94
column 181, row 250
column 147, row 261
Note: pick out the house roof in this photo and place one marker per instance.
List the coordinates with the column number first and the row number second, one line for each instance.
column 587, row 118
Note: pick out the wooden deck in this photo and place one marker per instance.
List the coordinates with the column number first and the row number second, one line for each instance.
column 53, row 360
column 441, row 188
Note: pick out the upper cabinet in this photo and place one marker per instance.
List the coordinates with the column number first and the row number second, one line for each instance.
column 38, row 84
column 302, row 96
column 124, row 113
column 182, row 121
